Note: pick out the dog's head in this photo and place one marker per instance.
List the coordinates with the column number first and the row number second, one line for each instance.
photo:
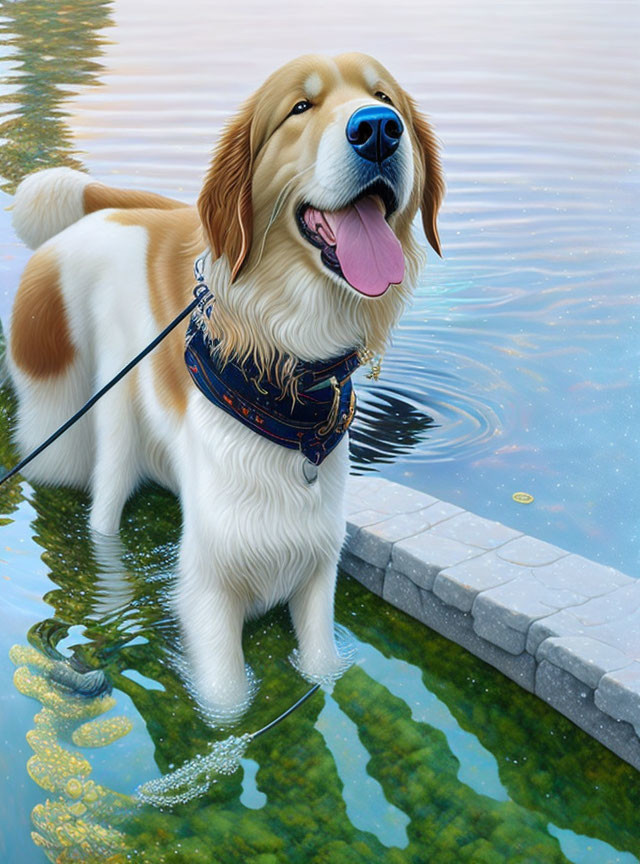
column 320, row 175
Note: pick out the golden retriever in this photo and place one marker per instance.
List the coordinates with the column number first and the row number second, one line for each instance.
column 307, row 211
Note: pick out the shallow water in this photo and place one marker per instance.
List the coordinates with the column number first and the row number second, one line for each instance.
column 418, row 750
column 512, row 371
column 515, row 368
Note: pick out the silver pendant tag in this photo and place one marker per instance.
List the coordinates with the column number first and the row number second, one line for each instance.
column 309, row 472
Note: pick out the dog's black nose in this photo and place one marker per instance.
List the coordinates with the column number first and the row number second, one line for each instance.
column 374, row 132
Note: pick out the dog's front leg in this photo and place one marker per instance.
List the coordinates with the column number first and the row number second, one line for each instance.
column 211, row 619
column 311, row 610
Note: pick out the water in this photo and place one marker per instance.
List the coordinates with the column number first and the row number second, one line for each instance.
column 514, row 370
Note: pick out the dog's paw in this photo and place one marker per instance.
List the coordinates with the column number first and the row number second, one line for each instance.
column 324, row 666
column 223, row 701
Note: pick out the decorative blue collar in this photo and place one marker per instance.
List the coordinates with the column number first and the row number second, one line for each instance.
column 314, row 422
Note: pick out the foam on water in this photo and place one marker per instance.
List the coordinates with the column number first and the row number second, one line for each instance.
column 346, row 648
column 196, row 776
column 216, row 717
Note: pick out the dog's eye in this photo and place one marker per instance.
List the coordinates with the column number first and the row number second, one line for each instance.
column 300, row 107
column 383, row 97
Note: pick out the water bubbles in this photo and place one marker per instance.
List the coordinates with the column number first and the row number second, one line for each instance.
column 346, row 647
column 196, row 776
column 217, row 717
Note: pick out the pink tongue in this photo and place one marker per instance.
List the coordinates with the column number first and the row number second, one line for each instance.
column 369, row 253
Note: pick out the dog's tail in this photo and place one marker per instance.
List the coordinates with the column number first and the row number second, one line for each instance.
column 49, row 201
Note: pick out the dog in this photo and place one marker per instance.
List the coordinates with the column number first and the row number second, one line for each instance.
column 307, row 213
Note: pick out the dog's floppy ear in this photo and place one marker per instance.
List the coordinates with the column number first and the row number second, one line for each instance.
column 225, row 204
column 433, row 179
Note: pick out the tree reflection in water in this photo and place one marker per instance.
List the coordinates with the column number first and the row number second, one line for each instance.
column 51, row 47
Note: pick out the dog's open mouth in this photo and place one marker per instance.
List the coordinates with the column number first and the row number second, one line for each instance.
column 357, row 242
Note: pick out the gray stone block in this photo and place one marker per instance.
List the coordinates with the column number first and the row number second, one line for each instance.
column 460, row 584
column 387, row 497
column 537, row 593
column 581, row 576
column 523, row 600
column 618, row 694
column 402, row 593
column 369, row 576
column 373, row 543
column 493, row 630
column 361, row 491
column 370, row 547
column 458, row 626
column 510, row 599
column 363, row 518
column 408, row 524
column 585, row 658
column 576, row 701
column 530, row 552
column 441, row 511
column 504, row 614
column 475, row 531
column 613, row 618
column 423, row 556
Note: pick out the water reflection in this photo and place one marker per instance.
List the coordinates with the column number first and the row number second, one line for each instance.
column 387, row 425
column 51, row 49
column 459, row 761
column 524, row 337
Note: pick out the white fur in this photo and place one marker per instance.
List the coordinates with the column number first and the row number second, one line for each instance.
column 255, row 534
column 47, row 202
column 371, row 76
column 313, row 86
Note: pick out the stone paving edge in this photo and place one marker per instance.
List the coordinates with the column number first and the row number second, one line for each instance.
column 562, row 626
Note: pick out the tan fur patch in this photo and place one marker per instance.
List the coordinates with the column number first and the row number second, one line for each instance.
column 174, row 242
column 40, row 342
column 97, row 196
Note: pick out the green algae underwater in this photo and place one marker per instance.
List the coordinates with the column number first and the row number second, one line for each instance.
column 419, row 753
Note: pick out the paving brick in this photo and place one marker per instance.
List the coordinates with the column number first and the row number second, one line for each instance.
column 558, row 624
column 587, row 659
column 460, row 583
column 371, row 547
column 618, row 694
column 458, row 626
column 504, row 614
column 581, row 576
column 530, row 552
column 402, row 593
column 363, row 518
column 387, row 497
column 495, row 631
column 371, row 577
column 613, row 618
column 576, row 701
column 423, row 556
column 537, row 593
column 374, row 542
column 475, row 531
column 361, row 491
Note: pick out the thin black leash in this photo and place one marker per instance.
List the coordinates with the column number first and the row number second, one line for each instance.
column 286, row 713
column 96, row 396
column 200, row 283
column 88, row 405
